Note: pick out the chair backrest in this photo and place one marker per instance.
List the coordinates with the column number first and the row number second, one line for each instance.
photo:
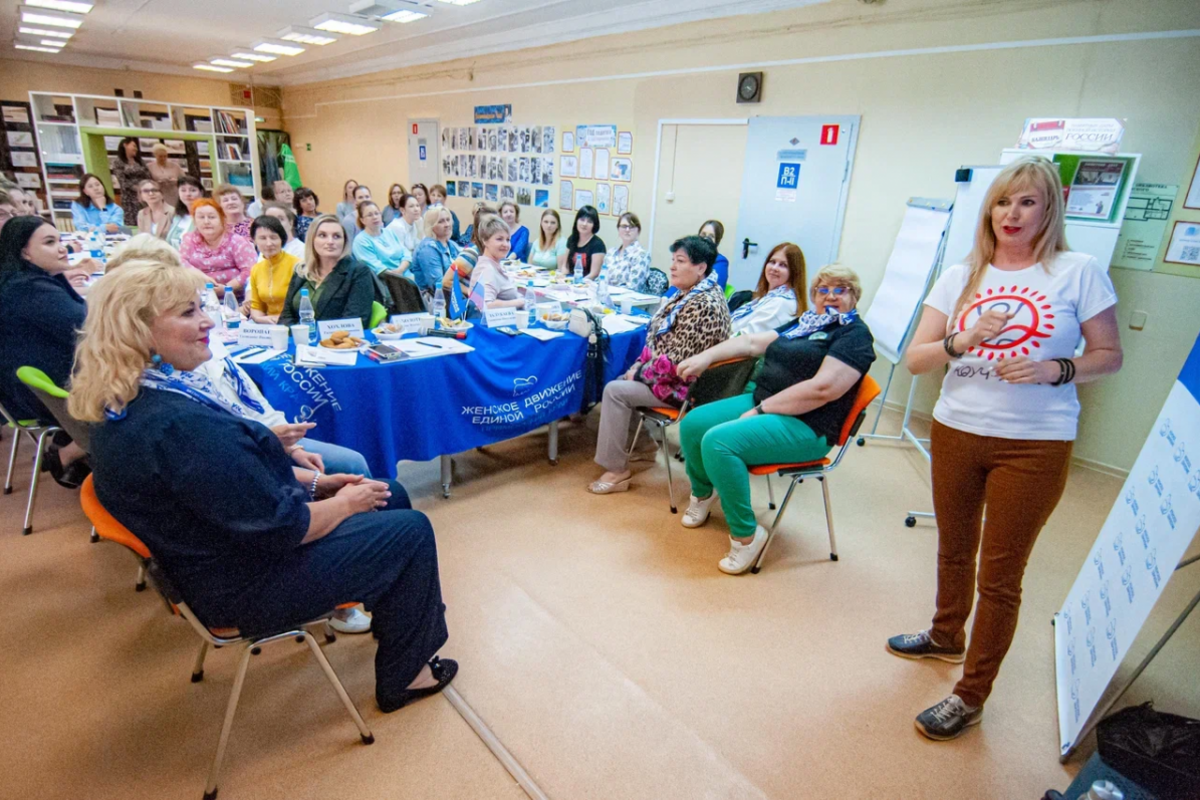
column 656, row 282
column 378, row 313
column 738, row 299
column 722, row 380
column 406, row 297
column 55, row 400
column 729, row 290
column 868, row 390
column 107, row 526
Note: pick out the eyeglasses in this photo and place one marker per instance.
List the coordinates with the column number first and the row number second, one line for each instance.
column 627, row 227
column 836, row 291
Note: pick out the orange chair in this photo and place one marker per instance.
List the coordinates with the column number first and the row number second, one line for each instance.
column 868, row 390
column 721, row 380
column 109, row 528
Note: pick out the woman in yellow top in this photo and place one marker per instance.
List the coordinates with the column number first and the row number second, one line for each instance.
column 269, row 277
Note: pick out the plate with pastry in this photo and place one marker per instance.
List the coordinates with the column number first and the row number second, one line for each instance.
column 342, row 340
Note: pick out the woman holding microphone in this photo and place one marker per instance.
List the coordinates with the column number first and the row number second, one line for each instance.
column 1007, row 323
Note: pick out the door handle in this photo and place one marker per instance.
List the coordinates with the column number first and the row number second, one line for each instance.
column 746, row 245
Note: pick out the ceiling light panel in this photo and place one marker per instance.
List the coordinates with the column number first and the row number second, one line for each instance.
column 37, row 48
column 221, row 61
column 458, row 2
column 210, row 67
column 278, row 47
column 298, row 33
column 74, row 6
column 248, row 55
column 57, row 19
column 401, row 11
column 62, row 33
column 344, row 23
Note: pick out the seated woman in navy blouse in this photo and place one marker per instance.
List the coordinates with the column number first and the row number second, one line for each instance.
column 250, row 540
column 39, row 314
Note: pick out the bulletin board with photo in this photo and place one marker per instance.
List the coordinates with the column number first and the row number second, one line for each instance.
column 595, row 168
column 500, row 162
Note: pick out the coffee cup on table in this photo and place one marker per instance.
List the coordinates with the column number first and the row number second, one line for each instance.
column 300, row 333
column 279, row 337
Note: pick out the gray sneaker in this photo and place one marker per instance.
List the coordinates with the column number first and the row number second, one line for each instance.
column 921, row 645
column 948, row 719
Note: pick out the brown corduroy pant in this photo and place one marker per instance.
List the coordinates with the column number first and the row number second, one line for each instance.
column 1020, row 482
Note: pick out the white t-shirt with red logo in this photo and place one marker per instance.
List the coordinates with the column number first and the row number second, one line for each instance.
column 1049, row 307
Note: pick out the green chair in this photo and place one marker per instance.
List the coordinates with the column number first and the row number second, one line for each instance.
column 729, row 290
column 378, row 314
column 40, row 435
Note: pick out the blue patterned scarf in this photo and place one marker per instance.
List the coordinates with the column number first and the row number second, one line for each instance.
column 784, row 291
column 810, row 322
column 703, row 286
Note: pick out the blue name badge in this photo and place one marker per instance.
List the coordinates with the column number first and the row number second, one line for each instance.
column 789, row 176
column 818, row 336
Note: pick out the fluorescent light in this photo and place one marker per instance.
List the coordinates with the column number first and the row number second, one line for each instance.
column 249, row 56
column 210, row 67
column 63, row 33
column 297, row 33
column 38, row 48
column 459, row 2
column 278, row 47
column 344, row 23
column 53, row 43
column 57, row 19
column 401, row 11
column 221, row 61
column 74, row 6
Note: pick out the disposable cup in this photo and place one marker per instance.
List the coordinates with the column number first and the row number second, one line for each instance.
column 627, row 305
column 279, row 337
column 300, row 334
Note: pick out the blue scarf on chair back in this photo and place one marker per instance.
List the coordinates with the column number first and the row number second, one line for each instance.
column 703, row 286
column 810, row 322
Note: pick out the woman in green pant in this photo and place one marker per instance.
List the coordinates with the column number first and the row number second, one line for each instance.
column 793, row 411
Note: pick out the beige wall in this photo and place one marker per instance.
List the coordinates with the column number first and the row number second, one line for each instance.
column 19, row 78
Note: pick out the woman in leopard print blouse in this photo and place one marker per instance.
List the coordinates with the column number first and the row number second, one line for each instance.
column 692, row 321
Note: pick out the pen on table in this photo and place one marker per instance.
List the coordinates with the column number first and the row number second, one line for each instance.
column 427, row 344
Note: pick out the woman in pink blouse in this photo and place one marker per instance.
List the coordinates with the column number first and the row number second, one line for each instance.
column 215, row 250
column 234, row 205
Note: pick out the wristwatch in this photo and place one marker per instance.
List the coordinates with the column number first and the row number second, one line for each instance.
column 758, row 409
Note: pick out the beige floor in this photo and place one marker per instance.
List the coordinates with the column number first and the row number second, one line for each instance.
column 597, row 639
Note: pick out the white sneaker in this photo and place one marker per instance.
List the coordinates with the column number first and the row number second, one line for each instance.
column 355, row 622
column 741, row 557
column 697, row 511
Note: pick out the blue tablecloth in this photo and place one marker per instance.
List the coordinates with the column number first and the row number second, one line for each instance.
column 424, row 408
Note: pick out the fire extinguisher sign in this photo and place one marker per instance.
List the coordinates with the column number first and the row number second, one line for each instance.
column 829, row 134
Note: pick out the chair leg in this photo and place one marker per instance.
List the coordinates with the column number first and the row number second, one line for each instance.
column 198, row 667
column 833, row 555
column 95, row 537
column 770, row 494
column 636, row 434
column 363, row 730
column 37, row 473
column 140, row 584
column 758, row 562
column 210, row 789
column 12, row 461
column 666, row 447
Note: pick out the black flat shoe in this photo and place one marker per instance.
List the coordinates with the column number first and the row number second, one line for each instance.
column 443, row 669
column 74, row 474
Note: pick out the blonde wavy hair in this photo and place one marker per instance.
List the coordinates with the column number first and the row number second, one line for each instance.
column 310, row 254
column 835, row 275
column 1030, row 172
column 144, row 246
column 116, row 343
column 433, row 216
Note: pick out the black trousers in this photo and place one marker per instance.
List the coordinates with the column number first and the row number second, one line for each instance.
column 386, row 560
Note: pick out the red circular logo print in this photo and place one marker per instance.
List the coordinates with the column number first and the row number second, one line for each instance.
column 1031, row 321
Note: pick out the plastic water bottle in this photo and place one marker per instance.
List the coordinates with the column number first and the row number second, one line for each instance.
column 233, row 315
column 437, row 303
column 1103, row 790
column 578, row 277
column 308, row 316
column 96, row 244
column 212, row 306
column 531, row 303
column 602, row 293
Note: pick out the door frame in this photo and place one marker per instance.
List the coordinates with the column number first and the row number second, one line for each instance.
column 658, row 159
column 437, row 146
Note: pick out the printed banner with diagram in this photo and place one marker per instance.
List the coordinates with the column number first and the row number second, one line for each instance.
column 1147, row 531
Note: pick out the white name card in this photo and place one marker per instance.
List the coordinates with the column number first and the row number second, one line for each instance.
column 252, row 334
column 353, row 325
column 501, row 317
column 412, row 323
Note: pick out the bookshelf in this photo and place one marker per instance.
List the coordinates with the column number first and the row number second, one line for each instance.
column 19, row 153
column 79, row 133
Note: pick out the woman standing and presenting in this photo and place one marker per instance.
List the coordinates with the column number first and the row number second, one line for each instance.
column 391, row 210
column 157, row 216
column 165, row 173
column 585, row 250
column 550, row 248
column 629, row 262
column 190, row 190
column 779, row 296
column 346, row 207
column 129, row 171
column 338, row 286
column 305, row 203
column 518, row 233
column 1007, row 322
column 213, row 249
column 94, row 209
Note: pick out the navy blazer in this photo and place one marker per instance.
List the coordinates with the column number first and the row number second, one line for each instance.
column 349, row 290
column 40, row 315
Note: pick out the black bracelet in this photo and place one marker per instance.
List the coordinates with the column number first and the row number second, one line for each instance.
column 1066, row 371
column 948, row 345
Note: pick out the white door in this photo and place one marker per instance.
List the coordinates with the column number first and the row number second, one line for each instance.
column 423, row 153
column 794, row 186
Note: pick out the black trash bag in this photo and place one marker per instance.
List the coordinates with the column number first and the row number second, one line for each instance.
column 1160, row 751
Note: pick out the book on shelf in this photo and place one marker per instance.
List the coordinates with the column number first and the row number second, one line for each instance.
column 233, row 152
column 108, row 117
column 130, row 117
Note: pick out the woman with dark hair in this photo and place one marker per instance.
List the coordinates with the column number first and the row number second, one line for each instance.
column 305, row 202
column 628, row 263
column 190, row 190
column 714, row 231
column 287, row 218
column 585, row 249
column 346, row 207
column 779, row 296
column 128, row 170
column 39, row 315
column 421, row 192
column 94, row 209
column 408, row 226
column 378, row 247
column 391, row 209
column 549, row 250
column 270, row 276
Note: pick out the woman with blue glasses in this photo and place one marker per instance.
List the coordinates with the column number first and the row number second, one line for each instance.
column 793, row 411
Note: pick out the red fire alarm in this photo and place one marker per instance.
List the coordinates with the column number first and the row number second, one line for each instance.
column 414, row 129
column 829, row 134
